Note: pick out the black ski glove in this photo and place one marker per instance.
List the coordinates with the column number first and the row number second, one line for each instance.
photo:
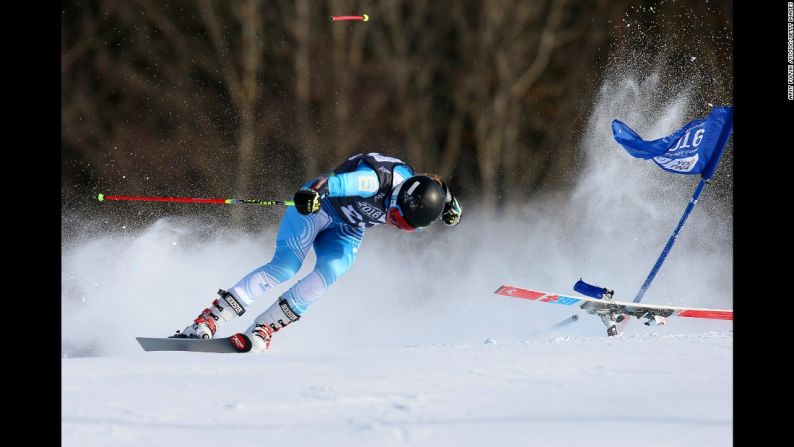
column 452, row 209
column 307, row 201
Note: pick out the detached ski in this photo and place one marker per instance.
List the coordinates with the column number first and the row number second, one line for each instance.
column 613, row 312
column 626, row 308
column 235, row 343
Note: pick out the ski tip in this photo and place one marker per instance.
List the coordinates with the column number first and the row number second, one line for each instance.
column 241, row 342
column 100, row 197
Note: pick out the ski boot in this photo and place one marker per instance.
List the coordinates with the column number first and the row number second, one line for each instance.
column 655, row 320
column 611, row 322
column 207, row 323
column 276, row 317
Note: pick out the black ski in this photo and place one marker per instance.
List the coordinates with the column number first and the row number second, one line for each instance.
column 235, row 343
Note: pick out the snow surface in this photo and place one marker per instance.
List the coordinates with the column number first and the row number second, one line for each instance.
column 395, row 352
column 650, row 389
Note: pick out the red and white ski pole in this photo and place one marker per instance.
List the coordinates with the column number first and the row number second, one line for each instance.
column 102, row 198
column 361, row 18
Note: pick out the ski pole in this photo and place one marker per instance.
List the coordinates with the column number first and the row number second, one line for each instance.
column 102, row 198
column 362, row 18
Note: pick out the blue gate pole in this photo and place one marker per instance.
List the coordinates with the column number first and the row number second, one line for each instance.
column 663, row 256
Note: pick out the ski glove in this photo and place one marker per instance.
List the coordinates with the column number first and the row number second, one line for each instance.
column 307, row 201
column 452, row 209
column 452, row 212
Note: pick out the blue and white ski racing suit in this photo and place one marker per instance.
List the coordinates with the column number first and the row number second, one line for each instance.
column 335, row 209
column 357, row 197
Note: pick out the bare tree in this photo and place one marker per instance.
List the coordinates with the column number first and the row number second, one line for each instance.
column 240, row 74
column 407, row 44
column 195, row 97
column 124, row 107
column 307, row 136
column 513, row 46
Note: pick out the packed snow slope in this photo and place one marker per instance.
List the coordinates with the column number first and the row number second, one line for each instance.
column 394, row 352
column 650, row 390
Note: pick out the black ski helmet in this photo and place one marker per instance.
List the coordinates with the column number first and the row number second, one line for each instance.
column 419, row 201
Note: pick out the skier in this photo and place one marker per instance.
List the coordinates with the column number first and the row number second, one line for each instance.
column 331, row 212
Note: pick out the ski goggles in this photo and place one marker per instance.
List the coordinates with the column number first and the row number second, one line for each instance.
column 395, row 217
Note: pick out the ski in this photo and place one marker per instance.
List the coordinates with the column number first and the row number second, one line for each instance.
column 627, row 308
column 235, row 343
column 613, row 312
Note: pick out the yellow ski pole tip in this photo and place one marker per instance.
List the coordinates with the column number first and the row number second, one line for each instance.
column 366, row 18
column 100, row 197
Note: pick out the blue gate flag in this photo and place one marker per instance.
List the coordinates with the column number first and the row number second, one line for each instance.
column 696, row 148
